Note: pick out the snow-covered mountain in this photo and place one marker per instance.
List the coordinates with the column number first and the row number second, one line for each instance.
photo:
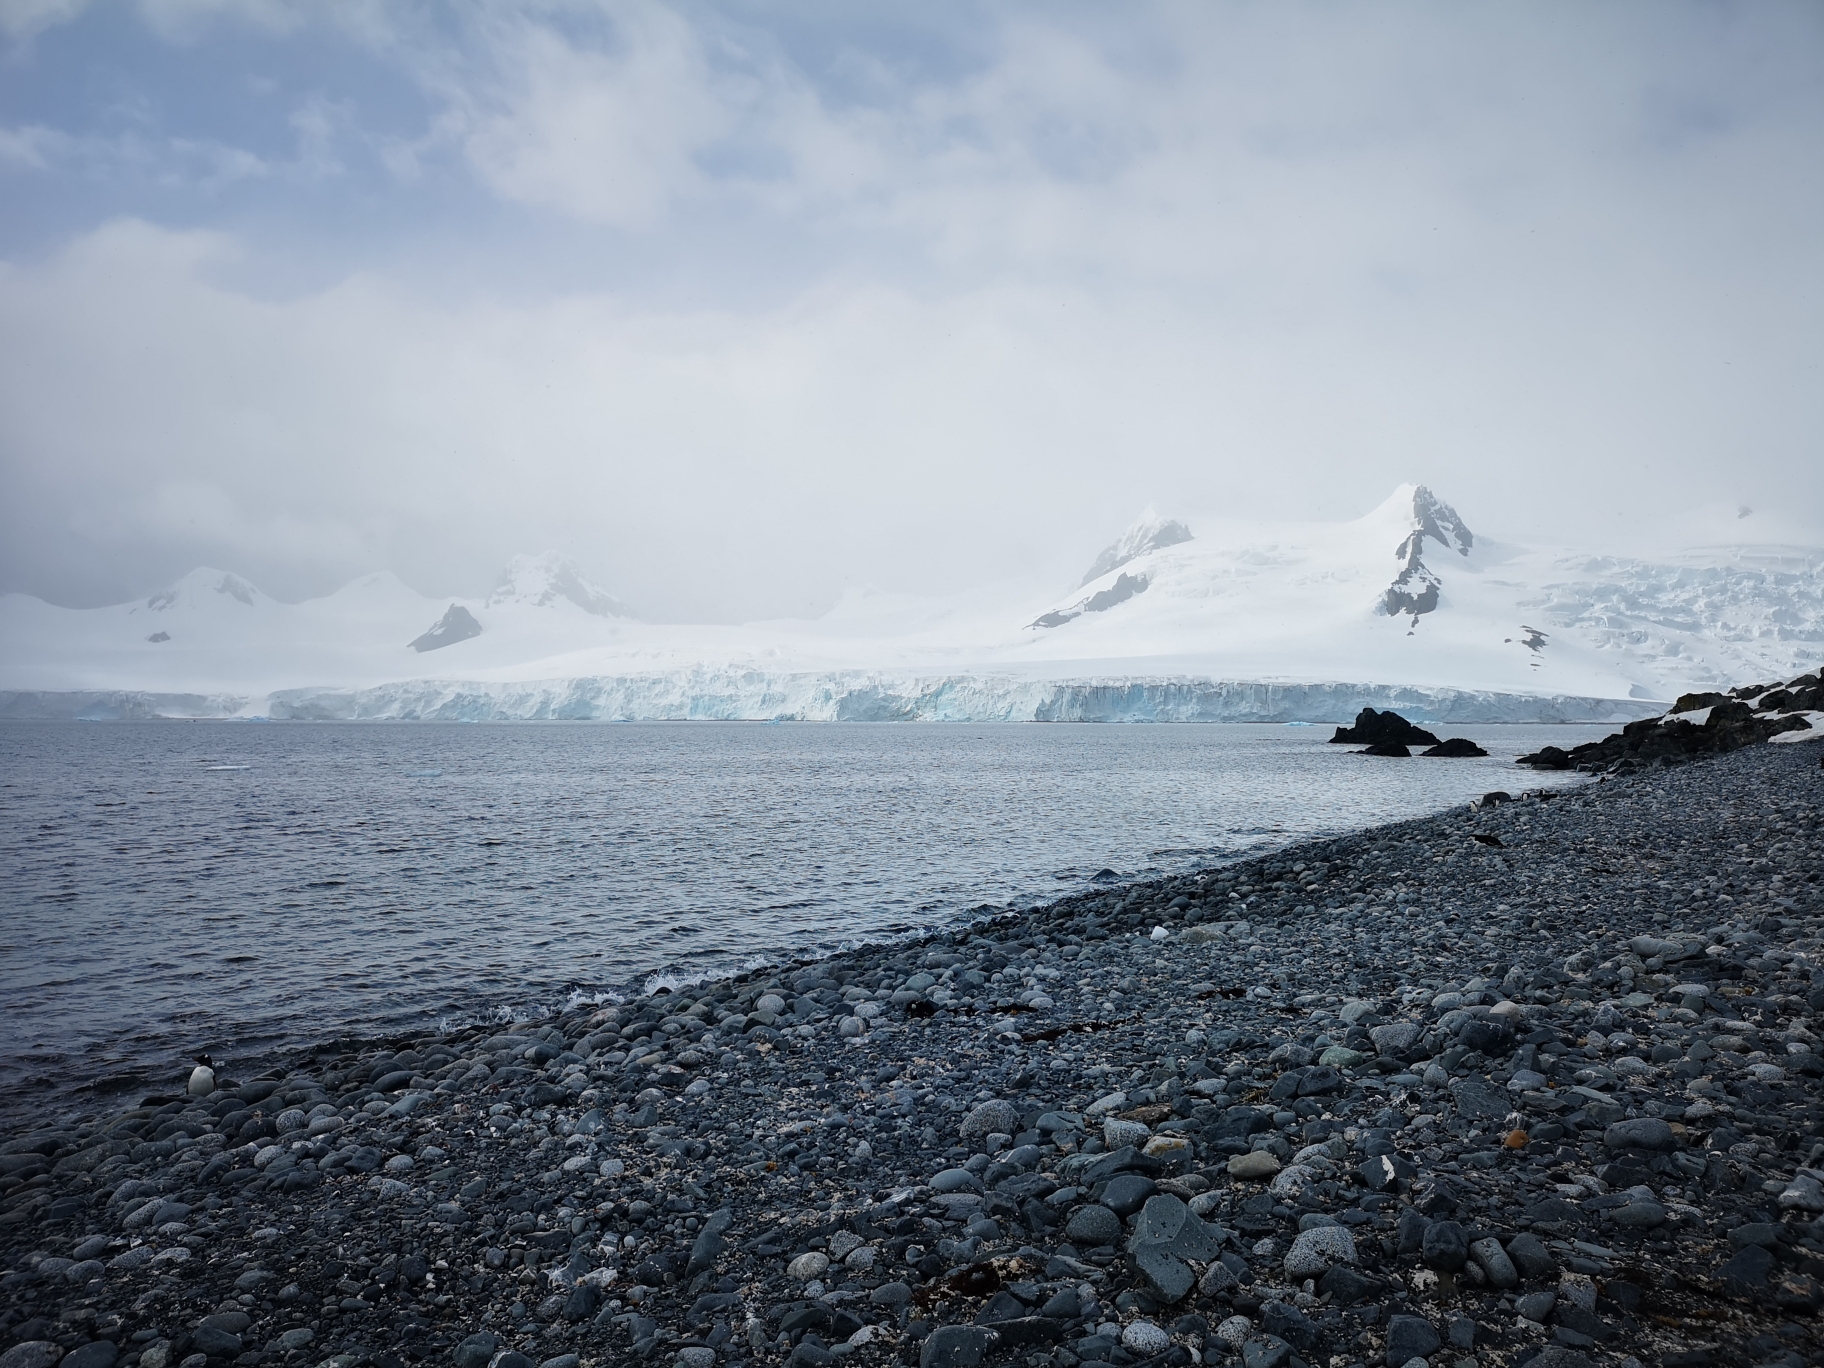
column 1178, row 619
column 542, row 581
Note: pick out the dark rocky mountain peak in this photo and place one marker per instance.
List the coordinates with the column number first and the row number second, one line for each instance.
column 1150, row 533
column 457, row 624
column 1415, row 588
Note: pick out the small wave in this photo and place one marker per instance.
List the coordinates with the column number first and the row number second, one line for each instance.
column 224, row 769
column 424, row 774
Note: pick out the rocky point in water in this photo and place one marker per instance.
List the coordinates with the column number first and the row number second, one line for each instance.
column 1382, row 728
column 1697, row 724
column 1389, row 734
column 1536, row 1083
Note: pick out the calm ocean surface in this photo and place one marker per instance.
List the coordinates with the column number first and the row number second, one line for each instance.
column 172, row 888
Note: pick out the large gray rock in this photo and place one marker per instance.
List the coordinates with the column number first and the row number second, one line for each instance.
column 1531, row 1259
column 1166, row 1234
column 987, row 1118
column 1479, row 1100
column 709, row 1242
column 1410, row 1337
column 1445, row 1248
column 955, row 1346
column 1316, row 1250
column 1093, row 1225
column 1643, row 1133
column 1493, row 1260
column 1396, row 1038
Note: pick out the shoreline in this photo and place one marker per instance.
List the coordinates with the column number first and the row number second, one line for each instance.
column 1246, row 789
column 1106, row 1158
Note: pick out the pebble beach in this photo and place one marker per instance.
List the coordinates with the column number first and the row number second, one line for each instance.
column 1533, row 1082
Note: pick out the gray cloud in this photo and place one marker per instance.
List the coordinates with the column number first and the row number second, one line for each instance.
column 738, row 313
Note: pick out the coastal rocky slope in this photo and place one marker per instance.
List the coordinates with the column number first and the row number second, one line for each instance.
column 1535, row 1082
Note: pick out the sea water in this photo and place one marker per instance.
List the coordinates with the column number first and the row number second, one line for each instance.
column 169, row 889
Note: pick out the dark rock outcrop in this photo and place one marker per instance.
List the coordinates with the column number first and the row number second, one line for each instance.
column 1377, row 728
column 1736, row 719
column 457, row 624
column 1456, row 748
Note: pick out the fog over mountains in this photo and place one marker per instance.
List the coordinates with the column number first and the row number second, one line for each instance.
column 1177, row 619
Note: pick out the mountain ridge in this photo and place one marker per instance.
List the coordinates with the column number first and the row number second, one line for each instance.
column 1405, row 596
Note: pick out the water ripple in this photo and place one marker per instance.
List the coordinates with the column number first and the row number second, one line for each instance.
column 173, row 888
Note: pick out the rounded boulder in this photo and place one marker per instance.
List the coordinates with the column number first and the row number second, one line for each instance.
column 989, row 1117
column 1319, row 1249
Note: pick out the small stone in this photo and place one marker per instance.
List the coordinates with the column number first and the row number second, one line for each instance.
column 1256, row 1165
column 1093, row 1225
column 217, row 1343
column 1126, row 1193
column 1640, row 1213
column 31, row 1354
column 1396, row 1037
column 477, row 1351
column 1748, row 1270
column 1341, row 1057
column 1445, row 1248
column 808, row 1266
column 1410, row 1337
column 1536, row 1306
column 1116, row 1133
column 1803, row 1193
column 1144, row 1338
column 1291, row 1181
column 988, row 1117
column 1645, row 1133
column 1314, row 1251
column 94, row 1354
column 1531, row 1258
column 1167, row 1147
column 1217, row 1278
column 955, row 1346
column 696, row 1356
column 1493, row 1261
column 1234, row 1331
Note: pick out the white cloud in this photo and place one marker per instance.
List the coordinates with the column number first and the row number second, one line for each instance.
column 24, row 18
column 929, row 321
column 609, row 136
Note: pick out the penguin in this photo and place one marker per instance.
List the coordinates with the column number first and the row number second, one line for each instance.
column 202, row 1077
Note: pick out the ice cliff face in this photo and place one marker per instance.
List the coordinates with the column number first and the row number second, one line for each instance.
column 542, row 581
column 870, row 696
column 1150, row 533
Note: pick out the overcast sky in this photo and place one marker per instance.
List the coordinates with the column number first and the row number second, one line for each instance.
column 740, row 304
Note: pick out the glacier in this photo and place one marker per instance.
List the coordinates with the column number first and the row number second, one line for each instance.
column 756, row 696
column 1182, row 619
